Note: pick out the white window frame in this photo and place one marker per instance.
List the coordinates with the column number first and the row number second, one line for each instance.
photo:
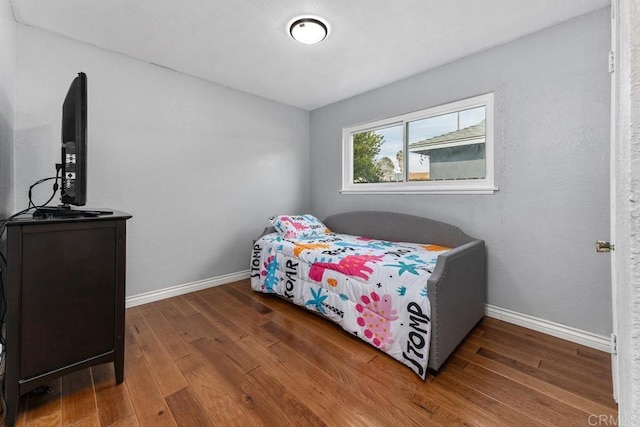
column 461, row 186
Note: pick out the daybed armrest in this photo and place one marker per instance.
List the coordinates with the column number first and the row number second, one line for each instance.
column 457, row 292
column 267, row 230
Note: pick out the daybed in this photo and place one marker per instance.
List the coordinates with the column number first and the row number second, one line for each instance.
column 454, row 295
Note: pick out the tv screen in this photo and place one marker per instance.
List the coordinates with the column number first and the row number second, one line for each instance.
column 74, row 143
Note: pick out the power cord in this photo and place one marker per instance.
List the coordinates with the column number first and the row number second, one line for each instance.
column 55, row 188
column 31, row 205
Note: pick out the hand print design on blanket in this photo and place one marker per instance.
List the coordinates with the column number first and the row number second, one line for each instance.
column 376, row 315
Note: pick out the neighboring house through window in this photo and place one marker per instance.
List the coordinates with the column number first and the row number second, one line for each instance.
column 444, row 149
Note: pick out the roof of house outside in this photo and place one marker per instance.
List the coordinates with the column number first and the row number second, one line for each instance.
column 458, row 137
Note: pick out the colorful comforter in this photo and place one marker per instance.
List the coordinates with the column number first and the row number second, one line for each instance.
column 374, row 289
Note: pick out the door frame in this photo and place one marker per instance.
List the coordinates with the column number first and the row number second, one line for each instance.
column 614, row 64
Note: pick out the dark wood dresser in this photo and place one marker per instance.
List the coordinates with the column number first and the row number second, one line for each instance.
column 65, row 294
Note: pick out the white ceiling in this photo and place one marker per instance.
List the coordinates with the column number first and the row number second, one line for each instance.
column 244, row 44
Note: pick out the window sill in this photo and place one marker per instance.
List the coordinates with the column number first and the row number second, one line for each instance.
column 435, row 190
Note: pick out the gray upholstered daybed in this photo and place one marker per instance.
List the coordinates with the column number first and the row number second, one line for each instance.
column 457, row 286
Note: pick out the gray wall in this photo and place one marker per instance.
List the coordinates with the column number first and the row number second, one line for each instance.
column 199, row 166
column 552, row 165
column 7, row 83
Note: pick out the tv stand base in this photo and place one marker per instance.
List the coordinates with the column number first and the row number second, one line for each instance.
column 67, row 212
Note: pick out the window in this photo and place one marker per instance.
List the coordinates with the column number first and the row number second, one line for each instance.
column 446, row 149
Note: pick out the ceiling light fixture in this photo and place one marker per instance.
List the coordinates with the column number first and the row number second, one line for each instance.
column 308, row 30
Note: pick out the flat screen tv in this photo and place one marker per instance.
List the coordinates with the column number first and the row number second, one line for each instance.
column 73, row 185
column 74, row 144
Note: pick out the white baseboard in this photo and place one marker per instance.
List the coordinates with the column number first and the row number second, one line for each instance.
column 173, row 291
column 558, row 330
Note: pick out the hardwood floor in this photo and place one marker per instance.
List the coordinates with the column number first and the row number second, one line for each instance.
column 228, row 356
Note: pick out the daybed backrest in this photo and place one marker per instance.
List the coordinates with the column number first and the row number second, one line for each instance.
column 397, row 227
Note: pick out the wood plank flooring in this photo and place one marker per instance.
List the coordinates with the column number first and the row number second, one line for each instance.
column 229, row 356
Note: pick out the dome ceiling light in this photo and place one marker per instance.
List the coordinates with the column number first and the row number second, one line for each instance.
column 308, row 30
